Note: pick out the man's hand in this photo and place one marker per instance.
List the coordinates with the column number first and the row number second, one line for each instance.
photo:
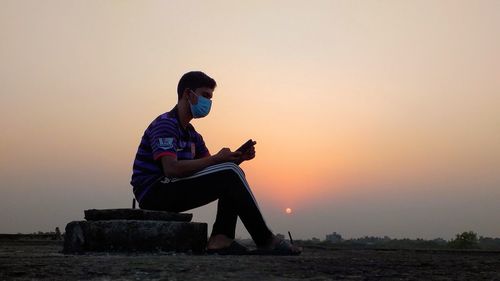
column 226, row 155
column 249, row 154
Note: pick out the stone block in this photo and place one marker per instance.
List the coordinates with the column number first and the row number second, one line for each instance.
column 135, row 235
column 135, row 214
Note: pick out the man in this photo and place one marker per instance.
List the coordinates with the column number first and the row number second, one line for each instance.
column 174, row 171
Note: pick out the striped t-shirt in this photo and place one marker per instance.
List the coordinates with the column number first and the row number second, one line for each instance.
column 164, row 136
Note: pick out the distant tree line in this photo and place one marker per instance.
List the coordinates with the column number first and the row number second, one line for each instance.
column 38, row 235
column 464, row 240
column 56, row 233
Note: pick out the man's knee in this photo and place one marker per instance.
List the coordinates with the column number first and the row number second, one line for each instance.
column 235, row 168
column 230, row 167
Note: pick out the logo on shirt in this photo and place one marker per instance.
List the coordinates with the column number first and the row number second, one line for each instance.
column 166, row 143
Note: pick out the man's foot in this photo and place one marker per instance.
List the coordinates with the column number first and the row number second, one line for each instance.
column 234, row 249
column 278, row 247
column 219, row 241
column 223, row 245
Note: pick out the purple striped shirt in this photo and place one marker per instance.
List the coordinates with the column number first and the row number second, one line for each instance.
column 164, row 137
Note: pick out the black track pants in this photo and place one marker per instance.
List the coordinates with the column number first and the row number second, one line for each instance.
column 225, row 182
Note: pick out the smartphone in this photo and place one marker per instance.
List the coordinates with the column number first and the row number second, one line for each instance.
column 246, row 146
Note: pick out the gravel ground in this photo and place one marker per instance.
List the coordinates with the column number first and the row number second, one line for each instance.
column 42, row 260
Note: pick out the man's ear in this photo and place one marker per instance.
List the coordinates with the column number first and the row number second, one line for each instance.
column 186, row 92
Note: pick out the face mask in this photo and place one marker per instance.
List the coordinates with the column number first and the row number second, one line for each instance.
column 202, row 108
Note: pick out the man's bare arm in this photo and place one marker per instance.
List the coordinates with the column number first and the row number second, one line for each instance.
column 182, row 168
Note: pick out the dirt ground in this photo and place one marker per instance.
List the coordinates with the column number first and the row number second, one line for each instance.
column 39, row 260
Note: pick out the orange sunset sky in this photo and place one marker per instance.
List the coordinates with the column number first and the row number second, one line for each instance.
column 371, row 117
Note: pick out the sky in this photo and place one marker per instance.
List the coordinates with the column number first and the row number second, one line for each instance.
column 371, row 117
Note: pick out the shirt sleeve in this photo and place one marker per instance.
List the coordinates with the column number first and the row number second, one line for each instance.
column 164, row 138
column 201, row 148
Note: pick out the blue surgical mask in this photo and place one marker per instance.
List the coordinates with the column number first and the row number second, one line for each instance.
column 202, row 108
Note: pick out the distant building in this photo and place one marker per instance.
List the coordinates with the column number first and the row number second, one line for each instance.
column 334, row 238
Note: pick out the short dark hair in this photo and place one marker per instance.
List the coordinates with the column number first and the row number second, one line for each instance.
column 194, row 80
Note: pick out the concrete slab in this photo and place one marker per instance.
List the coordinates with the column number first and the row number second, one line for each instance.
column 135, row 235
column 135, row 214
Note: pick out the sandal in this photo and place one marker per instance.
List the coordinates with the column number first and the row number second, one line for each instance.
column 234, row 249
column 283, row 248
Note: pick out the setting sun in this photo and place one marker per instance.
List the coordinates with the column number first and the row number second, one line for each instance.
column 288, row 210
